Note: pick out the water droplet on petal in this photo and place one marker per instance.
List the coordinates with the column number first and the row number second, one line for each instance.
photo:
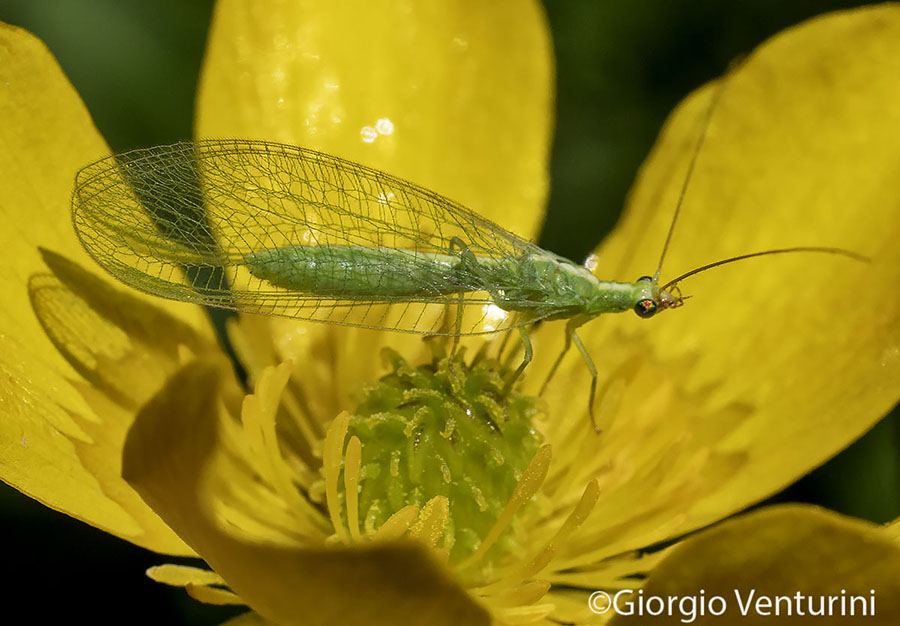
column 368, row 134
column 384, row 126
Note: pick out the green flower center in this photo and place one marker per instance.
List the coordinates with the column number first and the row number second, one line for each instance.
column 436, row 430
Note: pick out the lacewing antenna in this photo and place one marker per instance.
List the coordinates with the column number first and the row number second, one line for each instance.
column 839, row 251
column 717, row 94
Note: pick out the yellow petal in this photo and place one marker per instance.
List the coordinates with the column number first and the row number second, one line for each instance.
column 782, row 551
column 455, row 97
column 174, row 462
column 46, row 135
column 775, row 363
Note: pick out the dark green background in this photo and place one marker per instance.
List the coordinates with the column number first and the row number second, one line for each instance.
column 622, row 65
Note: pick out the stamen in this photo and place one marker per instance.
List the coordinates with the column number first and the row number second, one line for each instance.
column 352, row 462
column 259, row 411
column 524, row 594
column 528, row 485
column 432, row 522
column 397, row 524
column 543, row 558
column 611, row 572
column 331, row 469
column 530, row 570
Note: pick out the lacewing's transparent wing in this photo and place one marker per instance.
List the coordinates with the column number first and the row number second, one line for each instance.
column 186, row 222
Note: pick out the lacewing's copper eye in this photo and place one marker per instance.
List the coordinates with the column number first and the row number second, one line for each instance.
column 646, row 308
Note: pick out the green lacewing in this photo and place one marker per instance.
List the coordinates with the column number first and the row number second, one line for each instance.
column 281, row 230
column 274, row 229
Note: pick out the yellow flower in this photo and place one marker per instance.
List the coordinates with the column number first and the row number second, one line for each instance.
column 771, row 368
